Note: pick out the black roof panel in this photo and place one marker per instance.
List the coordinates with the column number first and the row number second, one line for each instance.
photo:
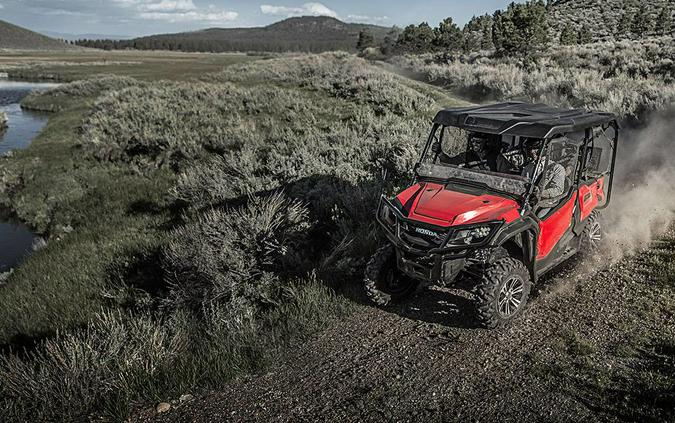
column 524, row 119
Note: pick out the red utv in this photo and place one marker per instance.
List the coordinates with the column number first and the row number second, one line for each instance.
column 501, row 195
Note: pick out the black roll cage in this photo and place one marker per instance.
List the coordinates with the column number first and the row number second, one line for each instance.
column 587, row 142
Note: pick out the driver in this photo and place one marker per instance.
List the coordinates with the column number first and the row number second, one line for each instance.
column 545, row 173
column 485, row 154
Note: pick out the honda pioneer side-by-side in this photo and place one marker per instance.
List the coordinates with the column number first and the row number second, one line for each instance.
column 501, row 195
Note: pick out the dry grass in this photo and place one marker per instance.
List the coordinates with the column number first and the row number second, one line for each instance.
column 627, row 78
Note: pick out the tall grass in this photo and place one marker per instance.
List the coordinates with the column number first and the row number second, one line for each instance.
column 67, row 94
column 276, row 168
column 627, row 78
column 121, row 360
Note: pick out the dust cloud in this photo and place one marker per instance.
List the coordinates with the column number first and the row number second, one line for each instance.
column 643, row 198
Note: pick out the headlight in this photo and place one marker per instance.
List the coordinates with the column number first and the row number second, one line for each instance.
column 387, row 215
column 470, row 236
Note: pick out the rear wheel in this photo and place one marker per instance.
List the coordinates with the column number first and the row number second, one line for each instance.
column 591, row 237
column 502, row 292
column 384, row 283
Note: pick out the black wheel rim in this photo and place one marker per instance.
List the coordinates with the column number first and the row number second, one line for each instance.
column 511, row 296
column 395, row 284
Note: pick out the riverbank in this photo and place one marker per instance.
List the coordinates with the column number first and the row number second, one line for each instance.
column 17, row 241
column 94, row 219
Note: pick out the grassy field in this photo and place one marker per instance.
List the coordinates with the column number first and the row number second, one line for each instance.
column 147, row 65
column 203, row 212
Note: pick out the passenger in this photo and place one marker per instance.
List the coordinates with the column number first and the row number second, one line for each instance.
column 483, row 153
column 552, row 182
column 488, row 155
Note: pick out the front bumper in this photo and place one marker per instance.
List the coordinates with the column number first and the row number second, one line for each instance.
column 433, row 264
column 430, row 268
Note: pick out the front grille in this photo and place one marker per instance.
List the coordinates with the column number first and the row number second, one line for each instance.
column 422, row 237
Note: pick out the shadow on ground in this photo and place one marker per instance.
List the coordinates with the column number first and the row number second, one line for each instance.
column 442, row 306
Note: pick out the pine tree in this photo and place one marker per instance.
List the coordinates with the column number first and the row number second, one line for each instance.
column 486, row 36
column 365, row 40
column 568, row 36
column 389, row 42
column 425, row 36
column 498, row 31
column 448, row 36
column 585, row 35
column 524, row 28
column 664, row 21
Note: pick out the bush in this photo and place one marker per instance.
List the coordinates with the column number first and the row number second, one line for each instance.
column 120, row 361
column 236, row 257
column 340, row 75
column 619, row 77
column 56, row 99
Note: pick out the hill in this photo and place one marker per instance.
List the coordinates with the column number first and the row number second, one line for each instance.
column 604, row 17
column 306, row 34
column 15, row 37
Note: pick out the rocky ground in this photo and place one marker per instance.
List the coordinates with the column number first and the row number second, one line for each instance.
column 566, row 359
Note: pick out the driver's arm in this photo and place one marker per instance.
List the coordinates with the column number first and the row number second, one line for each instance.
column 556, row 185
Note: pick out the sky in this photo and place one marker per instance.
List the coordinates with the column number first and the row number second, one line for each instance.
column 144, row 17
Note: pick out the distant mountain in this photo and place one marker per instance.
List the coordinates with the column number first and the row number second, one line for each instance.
column 15, row 37
column 601, row 17
column 74, row 37
column 306, row 34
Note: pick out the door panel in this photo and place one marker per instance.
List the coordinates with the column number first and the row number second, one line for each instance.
column 590, row 196
column 554, row 227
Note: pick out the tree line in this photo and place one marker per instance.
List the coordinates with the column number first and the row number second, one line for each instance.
column 522, row 28
column 219, row 45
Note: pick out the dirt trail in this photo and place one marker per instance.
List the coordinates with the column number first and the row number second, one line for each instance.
column 426, row 361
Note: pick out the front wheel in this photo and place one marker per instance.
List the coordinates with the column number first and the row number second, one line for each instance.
column 384, row 283
column 502, row 292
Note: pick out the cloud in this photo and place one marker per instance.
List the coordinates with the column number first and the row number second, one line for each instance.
column 367, row 19
column 2, row 7
column 191, row 16
column 176, row 11
column 307, row 9
column 169, row 6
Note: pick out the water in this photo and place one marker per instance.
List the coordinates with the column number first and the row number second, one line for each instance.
column 16, row 240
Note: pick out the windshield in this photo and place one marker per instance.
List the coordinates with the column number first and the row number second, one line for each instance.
column 497, row 162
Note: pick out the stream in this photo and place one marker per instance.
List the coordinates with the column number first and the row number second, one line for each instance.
column 16, row 240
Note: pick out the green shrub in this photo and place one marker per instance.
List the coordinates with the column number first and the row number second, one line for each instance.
column 340, row 75
column 58, row 98
column 121, row 361
column 623, row 78
column 236, row 256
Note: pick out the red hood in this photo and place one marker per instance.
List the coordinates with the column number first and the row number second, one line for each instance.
column 436, row 205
